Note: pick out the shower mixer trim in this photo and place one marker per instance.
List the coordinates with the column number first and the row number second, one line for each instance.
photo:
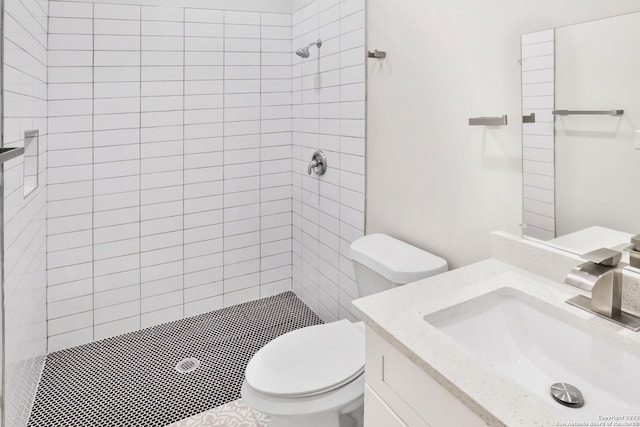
column 318, row 164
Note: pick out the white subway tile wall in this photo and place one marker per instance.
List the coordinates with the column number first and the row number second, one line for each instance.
column 328, row 114
column 170, row 164
column 25, row 109
column 538, row 160
column 70, row 216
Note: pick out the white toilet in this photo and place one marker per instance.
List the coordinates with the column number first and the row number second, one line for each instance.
column 313, row 377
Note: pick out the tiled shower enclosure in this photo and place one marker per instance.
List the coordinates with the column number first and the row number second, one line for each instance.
column 169, row 164
column 174, row 139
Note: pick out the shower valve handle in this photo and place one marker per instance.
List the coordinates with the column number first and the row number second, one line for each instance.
column 312, row 165
column 318, row 163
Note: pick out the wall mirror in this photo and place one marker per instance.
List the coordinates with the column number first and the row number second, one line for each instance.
column 581, row 134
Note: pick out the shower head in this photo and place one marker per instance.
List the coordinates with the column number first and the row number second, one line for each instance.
column 304, row 51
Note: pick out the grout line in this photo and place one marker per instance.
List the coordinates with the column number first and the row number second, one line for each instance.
column 340, row 90
column 224, row 140
column 184, row 67
column 19, row 47
column 140, row 172
column 93, row 181
column 260, row 266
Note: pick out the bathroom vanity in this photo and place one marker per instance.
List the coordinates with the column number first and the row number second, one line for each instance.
column 484, row 344
column 398, row 392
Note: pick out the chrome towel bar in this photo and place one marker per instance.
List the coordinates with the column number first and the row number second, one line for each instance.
column 588, row 112
column 8, row 153
column 488, row 121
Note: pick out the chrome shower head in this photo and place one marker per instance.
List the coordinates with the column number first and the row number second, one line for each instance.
column 304, row 52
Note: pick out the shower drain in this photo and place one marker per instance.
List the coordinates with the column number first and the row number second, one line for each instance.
column 188, row 365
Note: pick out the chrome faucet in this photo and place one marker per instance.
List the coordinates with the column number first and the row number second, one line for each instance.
column 601, row 275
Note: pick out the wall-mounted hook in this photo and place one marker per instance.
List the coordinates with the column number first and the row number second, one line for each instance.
column 378, row 54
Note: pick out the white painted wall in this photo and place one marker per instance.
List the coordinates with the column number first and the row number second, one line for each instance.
column 431, row 179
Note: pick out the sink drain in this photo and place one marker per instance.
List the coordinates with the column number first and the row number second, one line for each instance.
column 188, row 365
column 567, row 395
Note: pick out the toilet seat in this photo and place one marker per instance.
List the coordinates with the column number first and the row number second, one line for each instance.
column 309, row 361
column 342, row 399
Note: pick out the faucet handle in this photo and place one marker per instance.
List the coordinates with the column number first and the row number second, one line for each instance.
column 634, row 252
column 603, row 256
column 318, row 163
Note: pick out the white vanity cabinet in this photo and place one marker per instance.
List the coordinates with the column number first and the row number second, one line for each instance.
column 398, row 393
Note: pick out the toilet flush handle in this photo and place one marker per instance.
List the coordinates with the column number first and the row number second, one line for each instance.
column 318, row 163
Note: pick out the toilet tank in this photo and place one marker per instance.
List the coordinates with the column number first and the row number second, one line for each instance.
column 381, row 262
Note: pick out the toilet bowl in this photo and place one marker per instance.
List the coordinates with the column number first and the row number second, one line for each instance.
column 309, row 377
column 314, row 376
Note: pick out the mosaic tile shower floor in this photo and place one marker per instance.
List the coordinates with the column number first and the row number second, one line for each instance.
column 130, row 380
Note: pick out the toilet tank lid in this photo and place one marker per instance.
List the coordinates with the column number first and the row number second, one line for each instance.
column 397, row 261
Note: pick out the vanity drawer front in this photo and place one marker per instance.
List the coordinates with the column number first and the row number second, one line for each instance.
column 377, row 413
column 411, row 393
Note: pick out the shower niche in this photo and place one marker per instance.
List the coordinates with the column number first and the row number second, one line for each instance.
column 30, row 168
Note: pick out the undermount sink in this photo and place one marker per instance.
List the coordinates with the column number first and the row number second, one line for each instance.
column 508, row 331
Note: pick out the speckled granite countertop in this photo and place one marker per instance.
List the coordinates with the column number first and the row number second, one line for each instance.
column 398, row 316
